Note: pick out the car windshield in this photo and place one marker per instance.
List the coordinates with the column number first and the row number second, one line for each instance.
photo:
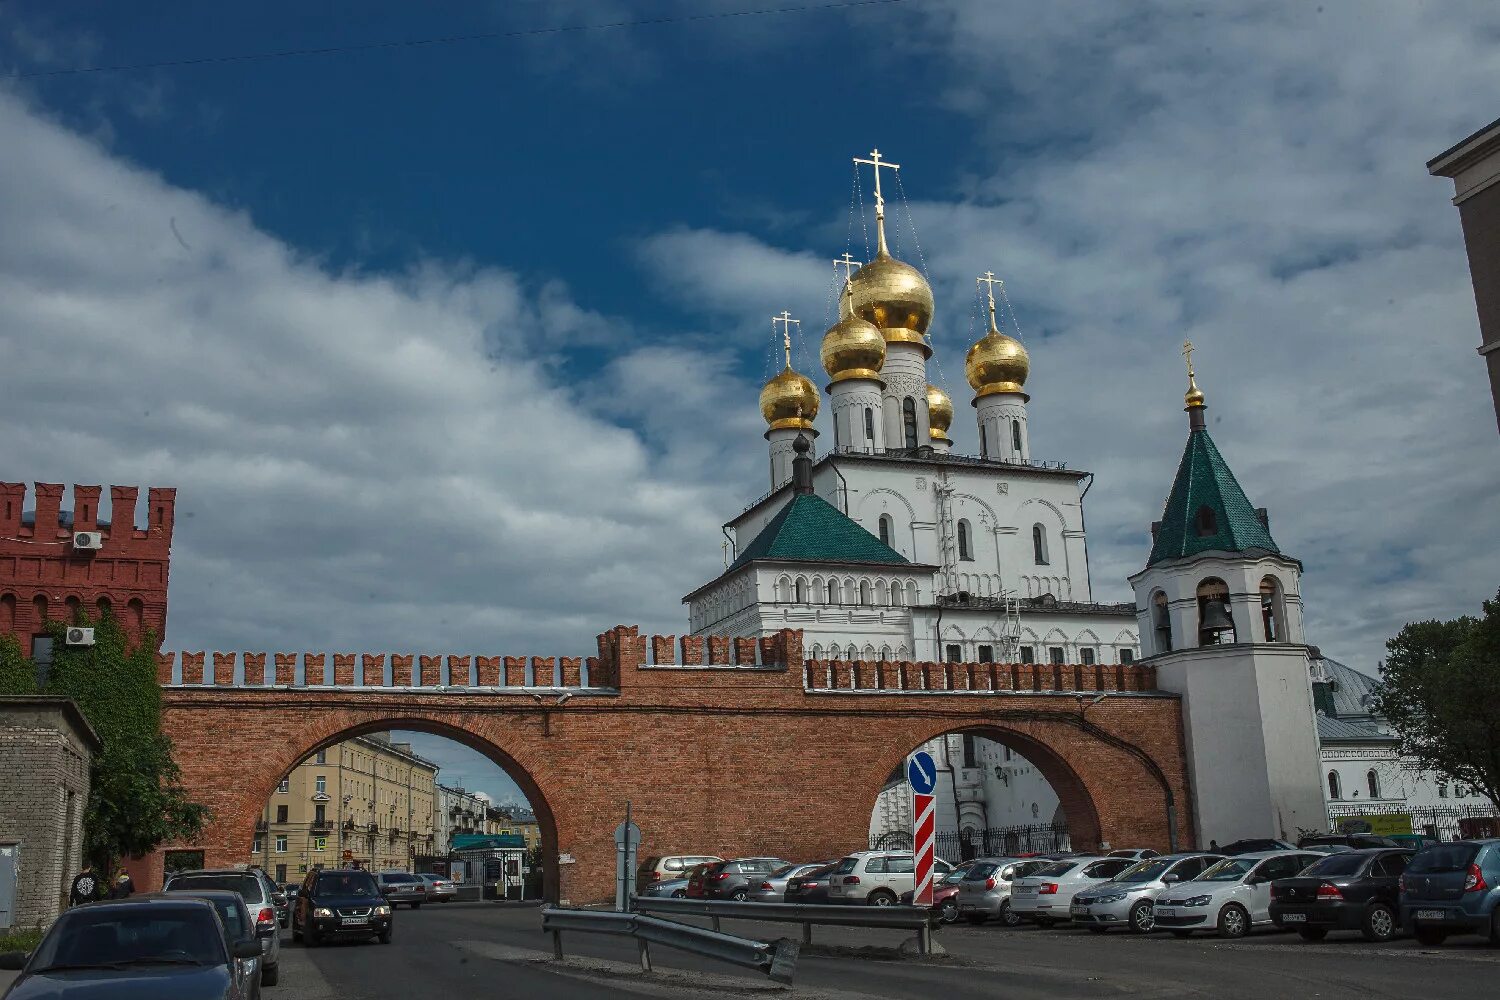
column 1337, row 864
column 346, row 884
column 248, row 886
column 1055, row 869
column 146, row 934
column 1146, row 871
column 977, row 872
column 1444, row 858
column 1228, row 870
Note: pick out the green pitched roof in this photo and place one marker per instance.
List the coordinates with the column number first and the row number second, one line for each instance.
column 1204, row 480
column 810, row 529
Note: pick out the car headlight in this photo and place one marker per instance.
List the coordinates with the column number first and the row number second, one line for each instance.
column 322, row 911
column 382, row 911
column 1113, row 897
column 1200, row 901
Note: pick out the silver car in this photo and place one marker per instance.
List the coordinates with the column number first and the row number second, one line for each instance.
column 256, row 889
column 402, row 887
column 984, row 892
column 1046, row 895
column 1128, row 900
column 672, row 888
column 439, row 889
column 772, row 888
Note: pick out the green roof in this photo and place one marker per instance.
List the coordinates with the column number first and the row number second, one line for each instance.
column 485, row 841
column 1204, row 480
column 810, row 529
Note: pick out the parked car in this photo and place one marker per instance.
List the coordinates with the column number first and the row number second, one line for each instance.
column 1353, row 841
column 1046, row 895
column 811, row 887
column 1134, row 853
column 772, row 888
column 1329, row 848
column 402, row 887
column 730, row 879
column 672, row 888
column 282, row 904
column 255, row 888
column 1254, row 845
column 439, row 889
column 664, row 869
column 1128, row 899
column 877, row 877
column 1414, row 841
column 1353, row 890
column 159, row 945
column 237, row 927
column 1452, row 888
column 1232, row 896
column 944, row 893
column 984, row 890
column 341, row 902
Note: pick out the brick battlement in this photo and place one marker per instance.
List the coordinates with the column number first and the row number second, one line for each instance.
column 905, row 677
column 376, row 670
column 49, row 524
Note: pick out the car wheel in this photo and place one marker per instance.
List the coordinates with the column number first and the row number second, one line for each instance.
column 385, row 936
column 1379, row 923
column 269, row 974
column 680, row 894
column 1181, row 933
column 739, row 895
column 1234, row 922
column 948, row 912
column 1142, row 918
column 976, row 918
column 1009, row 917
column 881, row 897
column 1430, row 936
column 1312, row 933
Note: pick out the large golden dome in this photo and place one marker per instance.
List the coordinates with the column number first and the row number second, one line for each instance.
column 895, row 297
column 852, row 347
column 939, row 413
column 789, row 401
column 997, row 363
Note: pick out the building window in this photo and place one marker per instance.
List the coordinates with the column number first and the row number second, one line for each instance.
column 320, row 814
column 833, row 592
column 1039, row 544
column 1442, row 789
column 1271, row 609
column 1086, row 656
column 1333, row 785
column 285, row 785
column 1015, row 436
column 1161, row 620
column 801, row 590
column 864, row 591
column 954, row 653
column 909, row 421
column 281, row 814
column 1205, row 522
column 281, row 843
column 321, row 757
column 1027, row 654
column 869, row 425
column 986, row 654
column 320, row 784
column 965, row 550
column 1372, row 781
column 257, row 845
column 1055, row 654
column 971, row 752
column 1215, row 624
column 984, row 443
column 1127, row 656
column 320, row 844
column 885, row 529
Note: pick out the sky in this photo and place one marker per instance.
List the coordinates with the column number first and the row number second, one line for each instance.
column 455, row 347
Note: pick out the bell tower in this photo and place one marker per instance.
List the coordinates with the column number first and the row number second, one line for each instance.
column 1220, row 613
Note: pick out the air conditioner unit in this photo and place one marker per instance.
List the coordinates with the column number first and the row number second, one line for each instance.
column 88, row 540
column 80, row 637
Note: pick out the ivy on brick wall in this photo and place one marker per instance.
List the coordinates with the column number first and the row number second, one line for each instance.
column 136, row 802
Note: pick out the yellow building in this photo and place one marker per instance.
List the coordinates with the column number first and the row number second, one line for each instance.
column 510, row 820
column 366, row 800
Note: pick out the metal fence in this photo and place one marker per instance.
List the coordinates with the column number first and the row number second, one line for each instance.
column 1443, row 822
column 963, row 845
column 777, row 959
column 911, row 918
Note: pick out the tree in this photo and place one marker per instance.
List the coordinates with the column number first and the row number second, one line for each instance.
column 135, row 800
column 1440, row 693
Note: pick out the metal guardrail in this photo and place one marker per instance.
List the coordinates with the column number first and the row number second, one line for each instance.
column 909, row 918
column 777, row 959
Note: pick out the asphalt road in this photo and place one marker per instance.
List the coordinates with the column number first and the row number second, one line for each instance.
column 455, row 951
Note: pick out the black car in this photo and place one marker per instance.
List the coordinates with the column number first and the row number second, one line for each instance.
column 1252, row 845
column 1352, row 891
column 340, row 903
column 238, row 926
column 809, row 887
column 1353, row 841
column 163, row 947
column 731, row 879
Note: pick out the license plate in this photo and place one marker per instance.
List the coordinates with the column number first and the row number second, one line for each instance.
column 353, row 921
column 1432, row 914
column 1165, row 911
column 1078, row 911
column 1294, row 918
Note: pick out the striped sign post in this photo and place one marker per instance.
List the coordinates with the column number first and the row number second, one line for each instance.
column 921, row 773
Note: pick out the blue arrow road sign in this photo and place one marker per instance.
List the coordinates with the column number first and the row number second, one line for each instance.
column 921, row 771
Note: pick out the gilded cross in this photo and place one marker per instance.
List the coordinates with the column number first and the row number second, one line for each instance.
column 876, row 162
column 786, row 321
column 989, row 279
column 1187, row 352
column 848, row 263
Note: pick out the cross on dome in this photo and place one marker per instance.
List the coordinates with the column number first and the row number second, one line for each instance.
column 786, row 321
column 876, row 162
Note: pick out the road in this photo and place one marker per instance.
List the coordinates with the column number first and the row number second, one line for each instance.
column 456, row 951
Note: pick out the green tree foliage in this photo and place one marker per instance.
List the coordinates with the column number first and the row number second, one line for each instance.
column 1441, row 696
column 136, row 802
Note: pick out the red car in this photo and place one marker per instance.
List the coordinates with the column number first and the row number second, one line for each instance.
column 945, row 894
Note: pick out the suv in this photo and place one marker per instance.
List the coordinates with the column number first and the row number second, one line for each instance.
column 878, row 877
column 1452, row 889
column 1353, row 841
column 731, row 879
column 340, row 902
column 666, row 869
column 257, row 890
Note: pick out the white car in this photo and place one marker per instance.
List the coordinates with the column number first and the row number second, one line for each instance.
column 878, row 877
column 1231, row 897
column 1045, row 896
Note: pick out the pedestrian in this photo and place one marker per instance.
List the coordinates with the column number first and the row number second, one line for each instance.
column 1213, row 845
column 124, row 886
column 85, row 886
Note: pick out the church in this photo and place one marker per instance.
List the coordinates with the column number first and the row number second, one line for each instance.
column 889, row 546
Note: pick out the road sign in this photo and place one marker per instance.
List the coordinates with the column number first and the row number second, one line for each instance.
column 921, row 771
column 627, row 835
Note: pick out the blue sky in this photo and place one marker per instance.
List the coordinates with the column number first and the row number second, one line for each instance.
column 455, row 348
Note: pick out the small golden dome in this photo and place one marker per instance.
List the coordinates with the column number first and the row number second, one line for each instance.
column 939, row 412
column 852, row 347
column 997, row 363
column 789, row 400
column 895, row 297
column 1194, row 396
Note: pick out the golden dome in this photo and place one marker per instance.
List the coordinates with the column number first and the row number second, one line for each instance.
column 1194, row 396
column 852, row 347
column 895, row 297
column 939, row 412
column 789, row 401
column 997, row 363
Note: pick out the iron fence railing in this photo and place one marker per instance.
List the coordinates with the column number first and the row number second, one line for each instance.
column 964, row 845
column 1476, row 819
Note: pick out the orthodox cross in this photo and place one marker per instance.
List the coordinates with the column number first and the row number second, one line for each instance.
column 876, row 162
column 786, row 321
column 848, row 263
column 990, row 280
column 1187, row 352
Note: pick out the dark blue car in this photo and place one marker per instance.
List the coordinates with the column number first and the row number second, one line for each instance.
column 1453, row 889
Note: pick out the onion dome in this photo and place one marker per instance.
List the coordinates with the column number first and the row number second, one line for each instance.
column 789, row 400
column 895, row 297
column 997, row 363
column 852, row 347
column 939, row 413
